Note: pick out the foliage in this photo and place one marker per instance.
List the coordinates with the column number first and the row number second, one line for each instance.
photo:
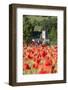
column 38, row 23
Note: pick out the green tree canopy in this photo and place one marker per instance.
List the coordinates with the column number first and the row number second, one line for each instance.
column 38, row 23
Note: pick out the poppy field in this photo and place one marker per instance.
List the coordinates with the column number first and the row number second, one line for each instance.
column 41, row 59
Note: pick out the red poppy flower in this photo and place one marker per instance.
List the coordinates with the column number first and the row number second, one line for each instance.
column 35, row 66
column 48, row 62
column 30, row 56
column 44, row 54
column 43, row 72
column 26, row 66
column 38, row 60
